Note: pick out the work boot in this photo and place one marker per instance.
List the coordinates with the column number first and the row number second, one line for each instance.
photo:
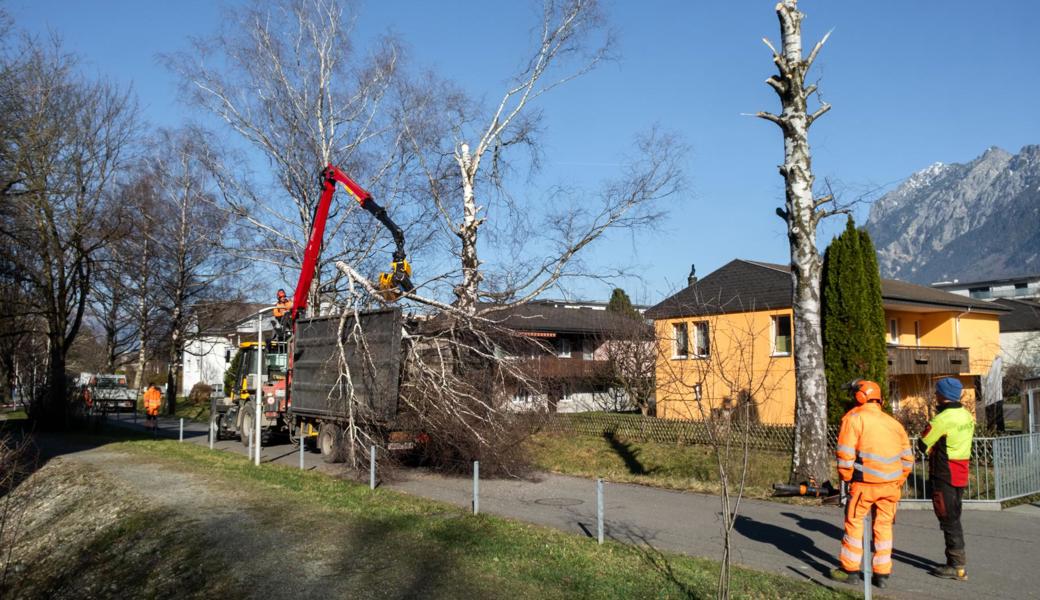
column 849, row 577
column 951, row 572
column 881, row 581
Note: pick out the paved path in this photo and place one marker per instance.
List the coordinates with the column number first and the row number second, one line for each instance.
column 1003, row 546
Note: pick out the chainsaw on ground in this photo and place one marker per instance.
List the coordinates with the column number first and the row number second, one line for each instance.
column 831, row 496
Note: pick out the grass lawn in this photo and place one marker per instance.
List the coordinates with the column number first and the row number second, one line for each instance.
column 652, row 463
column 193, row 412
column 456, row 554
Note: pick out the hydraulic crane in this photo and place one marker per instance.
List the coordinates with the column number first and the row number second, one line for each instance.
column 236, row 413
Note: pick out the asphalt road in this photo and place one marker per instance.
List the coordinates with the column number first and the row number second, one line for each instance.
column 798, row 541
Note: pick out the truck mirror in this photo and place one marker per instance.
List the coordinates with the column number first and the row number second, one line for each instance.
column 227, row 355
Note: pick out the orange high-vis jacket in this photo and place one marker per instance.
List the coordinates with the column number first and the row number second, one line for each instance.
column 873, row 447
column 152, row 399
column 281, row 307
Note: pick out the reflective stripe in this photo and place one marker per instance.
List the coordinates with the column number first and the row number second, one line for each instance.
column 850, row 555
column 890, row 476
column 908, row 452
column 881, row 459
column 881, row 559
column 845, row 463
column 879, row 546
column 908, row 464
column 854, row 542
column 846, row 449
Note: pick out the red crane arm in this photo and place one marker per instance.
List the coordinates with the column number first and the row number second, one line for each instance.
column 330, row 177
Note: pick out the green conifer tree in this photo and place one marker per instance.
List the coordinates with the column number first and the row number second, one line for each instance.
column 853, row 318
column 621, row 304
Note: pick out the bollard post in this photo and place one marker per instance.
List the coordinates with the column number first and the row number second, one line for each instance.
column 476, row 487
column 180, row 436
column 599, row 510
column 372, row 468
column 212, row 431
column 251, row 447
column 303, row 443
column 868, row 565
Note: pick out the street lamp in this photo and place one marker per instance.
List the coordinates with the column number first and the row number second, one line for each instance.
column 259, row 380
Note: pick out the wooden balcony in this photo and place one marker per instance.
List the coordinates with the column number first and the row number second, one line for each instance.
column 551, row 367
column 927, row 360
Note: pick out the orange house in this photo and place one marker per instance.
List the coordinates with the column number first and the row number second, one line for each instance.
column 726, row 343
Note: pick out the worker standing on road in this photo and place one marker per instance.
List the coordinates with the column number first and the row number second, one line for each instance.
column 281, row 310
column 874, row 457
column 947, row 441
column 152, row 402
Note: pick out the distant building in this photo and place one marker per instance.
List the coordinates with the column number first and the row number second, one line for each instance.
column 733, row 330
column 1014, row 287
column 1020, row 333
column 211, row 339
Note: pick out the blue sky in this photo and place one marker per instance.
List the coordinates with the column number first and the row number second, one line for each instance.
column 911, row 83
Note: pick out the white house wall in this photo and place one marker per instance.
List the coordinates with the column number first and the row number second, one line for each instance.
column 203, row 361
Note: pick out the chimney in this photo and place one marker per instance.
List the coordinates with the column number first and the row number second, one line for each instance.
column 692, row 277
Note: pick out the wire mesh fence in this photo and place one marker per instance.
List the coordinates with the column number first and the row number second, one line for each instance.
column 1000, row 469
column 779, row 438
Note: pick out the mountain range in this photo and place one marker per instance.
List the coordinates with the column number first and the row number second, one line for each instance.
column 969, row 222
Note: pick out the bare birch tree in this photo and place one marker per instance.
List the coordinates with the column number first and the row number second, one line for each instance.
column 286, row 78
column 802, row 212
column 192, row 259
column 467, row 169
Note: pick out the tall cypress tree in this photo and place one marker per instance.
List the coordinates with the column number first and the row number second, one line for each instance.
column 853, row 318
column 620, row 303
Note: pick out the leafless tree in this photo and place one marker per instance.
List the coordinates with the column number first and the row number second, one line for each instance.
column 286, row 77
column 631, row 355
column 464, row 151
column 192, row 263
column 802, row 213
column 70, row 142
column 724, row 381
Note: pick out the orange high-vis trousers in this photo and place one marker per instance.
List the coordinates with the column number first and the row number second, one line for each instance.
column 882, row 499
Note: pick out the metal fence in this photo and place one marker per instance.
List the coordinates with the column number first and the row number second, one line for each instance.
column 1001, row 468
column 779, row 438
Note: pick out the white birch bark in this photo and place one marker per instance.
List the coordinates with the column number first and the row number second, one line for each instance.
column 802, row 213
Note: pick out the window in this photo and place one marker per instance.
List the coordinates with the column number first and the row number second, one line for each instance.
column 697, row 392
column 893, row 395
column 563, row 348
column 701, row 345
column 681, row 340
column 893, row 331
column 782, row 335
column 917, row 333
column 588, row 349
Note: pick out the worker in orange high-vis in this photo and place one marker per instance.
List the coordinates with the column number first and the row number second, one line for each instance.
column 152, row 402
column 281, row 312
column 874, row 458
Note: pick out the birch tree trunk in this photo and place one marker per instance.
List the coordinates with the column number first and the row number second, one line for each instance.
column 802, row 213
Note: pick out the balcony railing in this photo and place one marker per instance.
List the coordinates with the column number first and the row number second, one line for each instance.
column 551, row 367
column 927, row 360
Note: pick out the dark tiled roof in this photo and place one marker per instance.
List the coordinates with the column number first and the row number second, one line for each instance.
column 745, row 285
column 1024, row 315
column 222, row 317
column 554, row 317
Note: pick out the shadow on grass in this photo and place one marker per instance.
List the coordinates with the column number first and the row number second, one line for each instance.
column 627, row 454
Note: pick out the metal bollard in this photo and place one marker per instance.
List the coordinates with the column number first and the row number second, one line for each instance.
column 212, row 433
column 251, row 447
column 180, row 437
column 868, row 566
column 599, row 510
column 476, row 487
column 303, row 444
column 372, row 468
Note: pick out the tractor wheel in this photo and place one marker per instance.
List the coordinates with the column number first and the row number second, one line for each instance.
column 246, row 430
column 330, row 442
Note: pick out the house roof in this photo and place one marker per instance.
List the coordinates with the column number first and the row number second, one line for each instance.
column 221, row 317
column 1024, row 315
column 553, row 316
column 747, row 285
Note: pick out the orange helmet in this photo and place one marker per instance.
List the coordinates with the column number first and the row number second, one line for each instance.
column 865, row 391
